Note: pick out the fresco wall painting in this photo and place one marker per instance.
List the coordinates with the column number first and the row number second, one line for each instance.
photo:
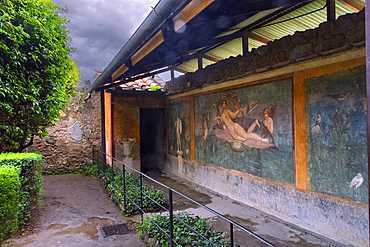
column 248, row 130
column 179, row 138
column 336, row 134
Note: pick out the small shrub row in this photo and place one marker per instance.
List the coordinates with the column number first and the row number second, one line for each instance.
column 183, row 235
column 9, row 199
column 30, row 165
column 87, row 170
column 114, row 181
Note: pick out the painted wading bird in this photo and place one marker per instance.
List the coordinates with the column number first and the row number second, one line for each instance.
column 318, row 120
column 316, row 126
column 356, row 181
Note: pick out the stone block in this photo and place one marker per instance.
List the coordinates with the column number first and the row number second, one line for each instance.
column 76, row 131
column 51, row 139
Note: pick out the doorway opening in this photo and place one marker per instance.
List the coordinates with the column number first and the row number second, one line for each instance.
column 152, row 138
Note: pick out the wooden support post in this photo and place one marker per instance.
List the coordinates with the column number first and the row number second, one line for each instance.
column 330, row 7
column 300, row 140
column 245, row 43
column 200, row 62
column 112, row 127
column 108, row 126
column 172, row 73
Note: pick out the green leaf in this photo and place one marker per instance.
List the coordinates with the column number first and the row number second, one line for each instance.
column 37, row 76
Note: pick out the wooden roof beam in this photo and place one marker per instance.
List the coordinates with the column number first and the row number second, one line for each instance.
column 210, row 58
column 353, row 4
column 258, row 38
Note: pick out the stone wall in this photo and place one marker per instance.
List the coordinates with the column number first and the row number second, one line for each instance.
column 346, row 32
column 70, row 141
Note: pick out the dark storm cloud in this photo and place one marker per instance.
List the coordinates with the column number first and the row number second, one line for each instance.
column 99, row 28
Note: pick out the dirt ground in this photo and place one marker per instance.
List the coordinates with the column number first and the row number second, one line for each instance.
column 73, row 210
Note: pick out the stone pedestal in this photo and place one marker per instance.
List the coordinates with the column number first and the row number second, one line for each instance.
column 128, row 162
column 179, row 160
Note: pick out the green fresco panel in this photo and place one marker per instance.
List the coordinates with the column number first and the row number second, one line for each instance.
column 336, row 133
column 245, row 144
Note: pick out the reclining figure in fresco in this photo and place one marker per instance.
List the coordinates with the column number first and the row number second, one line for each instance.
column 240, row 129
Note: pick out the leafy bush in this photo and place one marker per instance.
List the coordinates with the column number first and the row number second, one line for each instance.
column 88, row 170
column 30, row 177
column 182, row 234
column 36, row 74
column 114, row 181
column 9, row 199
column 91, row 170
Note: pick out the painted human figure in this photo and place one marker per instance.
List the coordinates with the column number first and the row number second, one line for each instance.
column 178, row 125
column 236, row 131
column 267, row 120
column 204, row 128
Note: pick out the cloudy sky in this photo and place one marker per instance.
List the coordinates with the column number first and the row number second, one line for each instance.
column 99, row 28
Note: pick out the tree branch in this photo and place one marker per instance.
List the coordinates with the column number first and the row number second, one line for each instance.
column 22, row 147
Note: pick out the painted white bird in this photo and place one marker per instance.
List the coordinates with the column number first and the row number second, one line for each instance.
column 356, row 181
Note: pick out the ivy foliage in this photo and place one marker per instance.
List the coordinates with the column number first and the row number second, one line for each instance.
column 37, row 76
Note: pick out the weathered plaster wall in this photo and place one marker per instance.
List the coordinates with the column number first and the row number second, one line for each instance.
column 126, row 122
column 339, row 220
column 306, row 57
column 70, row 141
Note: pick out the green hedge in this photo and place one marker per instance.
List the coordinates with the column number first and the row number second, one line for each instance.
column 9, row 199
column 30, row 178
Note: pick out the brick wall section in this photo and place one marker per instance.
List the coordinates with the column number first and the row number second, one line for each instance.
column 329, row 38
column 70, row 141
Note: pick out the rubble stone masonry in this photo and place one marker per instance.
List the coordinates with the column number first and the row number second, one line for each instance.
column 70, row 142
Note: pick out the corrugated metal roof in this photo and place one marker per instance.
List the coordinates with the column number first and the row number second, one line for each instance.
column 252, row 44
column 232, row 48
column 278, row 30
column 247, row 22
column 303, row 23
column 204, row 36
column 190, row 66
